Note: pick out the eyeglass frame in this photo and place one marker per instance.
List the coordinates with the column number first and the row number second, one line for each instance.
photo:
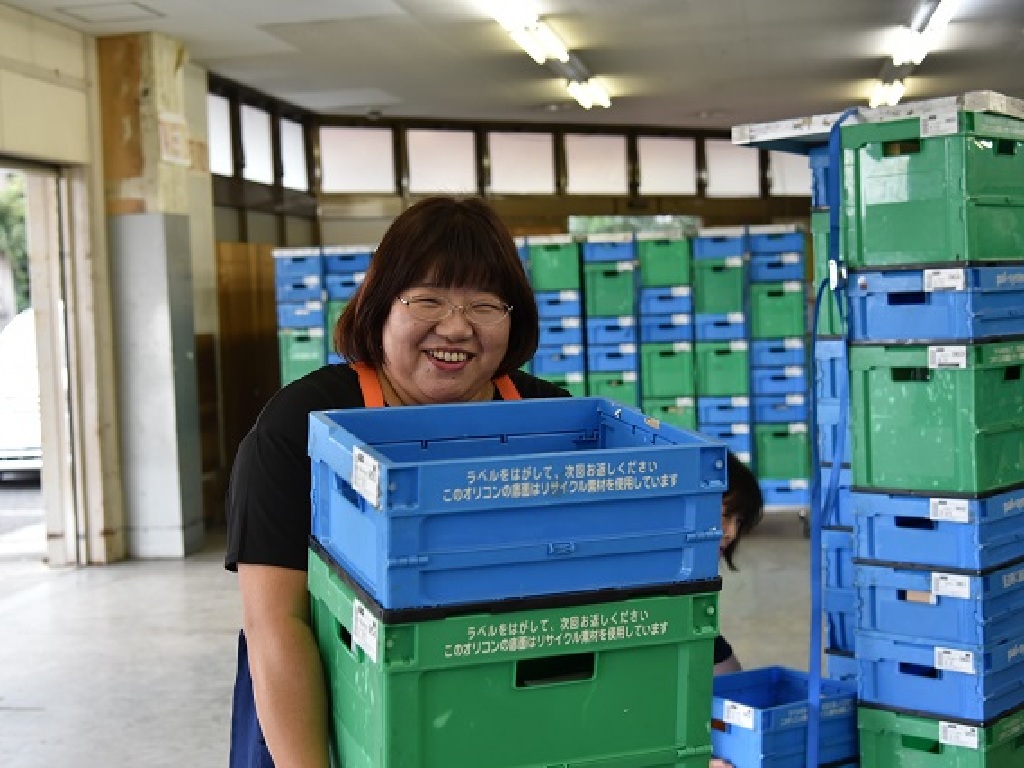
column 452, row 306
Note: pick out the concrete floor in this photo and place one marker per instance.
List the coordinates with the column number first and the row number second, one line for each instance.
column 131, row 665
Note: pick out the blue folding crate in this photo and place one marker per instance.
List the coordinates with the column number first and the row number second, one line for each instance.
column 720, row 243
column 665, row 328
column 666, row 300
column 565, row 359
column 781, row 409
column 841, row 514
column 614, row 247
column 291, row 263
column 449, row 504
column 723, row 410
column 342, row 259
column 963, row 304
column 759, row 719
column 344, row 285
column 611, row 330
column 293, row 289
column 768, row 267
column 829, row 413
column 973, row 533
column 840, row 665
column 818, row 158
column 304, row 314
column 720, row 327
column 611, row 357
column 558, row 304
column 975, row 683
column 840, row 618
column 785, row 492
column 768, row 352
column 830, row 368
column 558, row 331
column 837, row 557
column 736, row 436
column 974, row 609
column 771, row 238
column 779, row 380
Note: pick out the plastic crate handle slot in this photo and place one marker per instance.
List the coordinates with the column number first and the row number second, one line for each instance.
column 919, row 670
column 551, row 670
column 901, row 147
column 905, row 299
column 917, row 374
column 1011, row 373
column 919, row 523
column 1005, row 147
column 720, row 725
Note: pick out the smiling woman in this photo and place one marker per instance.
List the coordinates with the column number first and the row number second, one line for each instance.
column 20, row 424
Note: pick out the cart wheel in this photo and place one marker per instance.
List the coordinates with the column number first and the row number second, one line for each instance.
column 806, row 520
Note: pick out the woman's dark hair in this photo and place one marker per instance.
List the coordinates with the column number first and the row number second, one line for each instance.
column 743, row 501
column 455, row 243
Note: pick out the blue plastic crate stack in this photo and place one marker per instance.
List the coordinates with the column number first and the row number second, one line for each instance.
column 299, row 290
column 344, row 270
column 549, row 544
column 935, row 348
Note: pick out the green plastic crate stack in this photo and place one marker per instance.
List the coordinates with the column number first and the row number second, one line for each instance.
column 553, row 264
column 301, row 351
column 617, row 684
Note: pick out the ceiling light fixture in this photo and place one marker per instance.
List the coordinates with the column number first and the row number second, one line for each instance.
column 886, row 94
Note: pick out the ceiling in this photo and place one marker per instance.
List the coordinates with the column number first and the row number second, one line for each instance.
column 677, row 63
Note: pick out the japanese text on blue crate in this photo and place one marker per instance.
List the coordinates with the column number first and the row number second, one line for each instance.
column 591, row 477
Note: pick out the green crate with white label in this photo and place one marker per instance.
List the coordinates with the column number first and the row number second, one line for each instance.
column 554, row 263
column 334, row 309
column 610, row 289
column 666, row 369
column 777, row 309
column 719, row 285
column 664, row 262
column 574, row 383
column 584, row 679
column 620, row 386
column 782, row 451
column 301, row 351
column 679, row 411
column 939, row 418
column 722, row 368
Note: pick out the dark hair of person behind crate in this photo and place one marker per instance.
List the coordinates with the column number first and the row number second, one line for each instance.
column 744, row 501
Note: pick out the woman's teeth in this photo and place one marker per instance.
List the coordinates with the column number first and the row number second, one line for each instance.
column 450, row 357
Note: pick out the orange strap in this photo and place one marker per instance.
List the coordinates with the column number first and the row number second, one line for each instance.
column 373, row 396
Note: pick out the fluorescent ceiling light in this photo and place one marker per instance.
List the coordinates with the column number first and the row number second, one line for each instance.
column 886, row 94
column 588, row 93
column 912, row 46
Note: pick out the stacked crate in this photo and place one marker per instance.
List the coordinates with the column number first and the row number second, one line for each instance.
column 778, row 359
column 344, row 270
column 515, row 584
column 667, row 384
column 722, row 349
column 610, row 299
column 299, row 290
column 933, row 216
column 553, row 264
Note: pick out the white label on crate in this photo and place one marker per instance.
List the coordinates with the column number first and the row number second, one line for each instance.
column 365, row 629
column 792, row 399
column 949, row 510
column 951, row 585
column 625, row 322
column 947, row 357
column 738, row 714
column 939, row 124
column 574, row 377
column 792, row 286
column 954, row 660
column 798, row 429
column 799, row 485
column 734, row 317
column 734, row 261
column 945, row 280
column 610, row 237
column 793, row 343
column 568, row 295
column 358, row 277
column 627, row 349
column 680, row 290
column 740, row 402
column 680, row 319
column 366, row 476
column 570, row 322
column 792, row 371
column 311, row 280
column 737, row 346
column 684, row 402
column 958, row 735
column 629, row 376
column 624, row 266
column 571, row 350
column 741, row 429
column 681, row 346
column 791, row 258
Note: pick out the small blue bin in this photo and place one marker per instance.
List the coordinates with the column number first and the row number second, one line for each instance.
column 609, row 250
column 450, row 504
column 731, row 242
column 293, row 289
column 785, row 492
column 769, row 240
column 781, row 409
column 720, row 327
column 558, row 304
column 776, row 267
column 787, row 351
column 778, row 380
column 344, row 285
column 565, row 359
column 305, row 314
column 342, row 259
column 656, row 329
column 672, row 300
column 723, row 410
column 558, row 331
column 611, row 330
column 611, row 357
column 292, row 263
column 736, row 436
column 759, row 719
column 841, row 665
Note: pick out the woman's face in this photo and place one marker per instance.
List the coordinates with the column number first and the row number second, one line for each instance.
column 730, row 530
column 450, row 360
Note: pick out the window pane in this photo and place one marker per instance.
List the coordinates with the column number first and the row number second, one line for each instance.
column 218, row 126
column 732, row 170
column 256, row 145
column 356, row 159
column 668, row 166
column 441, row 161
column 293, row 156
column 595, row 164
column 790, row 174
column 522, row 163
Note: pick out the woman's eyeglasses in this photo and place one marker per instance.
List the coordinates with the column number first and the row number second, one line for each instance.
column 434, row 309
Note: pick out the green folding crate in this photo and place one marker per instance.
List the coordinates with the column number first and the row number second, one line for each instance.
column 782, row 451
column 777, row 309
column 300, row 350
column 680, row 411
column 896, row 740
column 619, row 386
column 610, row 288
column 722, row 368
column 915, row 195
column 663, row 261
column 554, row 262
column 605, row 684
column 940, row 418
column 719, row 285
column 574, row 383
column 334, row 309
column 828, row 318
column 666, row 369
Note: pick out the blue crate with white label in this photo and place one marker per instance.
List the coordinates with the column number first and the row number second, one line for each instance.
column 296, row 289
column 292, row 263
column 775, row 238
column 959, row 681
column 558, row 304
column 448, row 504
column 609, row 248
column 345, row 259
column 730, row 326
column 611, row 330
column 759, row 719
column 768, row 352
column 723, row 410
column 769, row 267
column 972, row 533
column 567, row 358
column 840, row 665
column 736, row 436
column 785, row 492
column 828, row 412
column 831, row 367
column 841, row 512
column 778, row 380
column 304, row 314
column 611, row 357
column 557, row 331
column 720, row 243
column 962, row 304
column 655, row 329
column 781, row 409
column 944, row 606
column 666, row 300
column 344, row 285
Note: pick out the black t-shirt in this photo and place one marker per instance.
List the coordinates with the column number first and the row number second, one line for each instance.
column 722, row 649
column 268, row 499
